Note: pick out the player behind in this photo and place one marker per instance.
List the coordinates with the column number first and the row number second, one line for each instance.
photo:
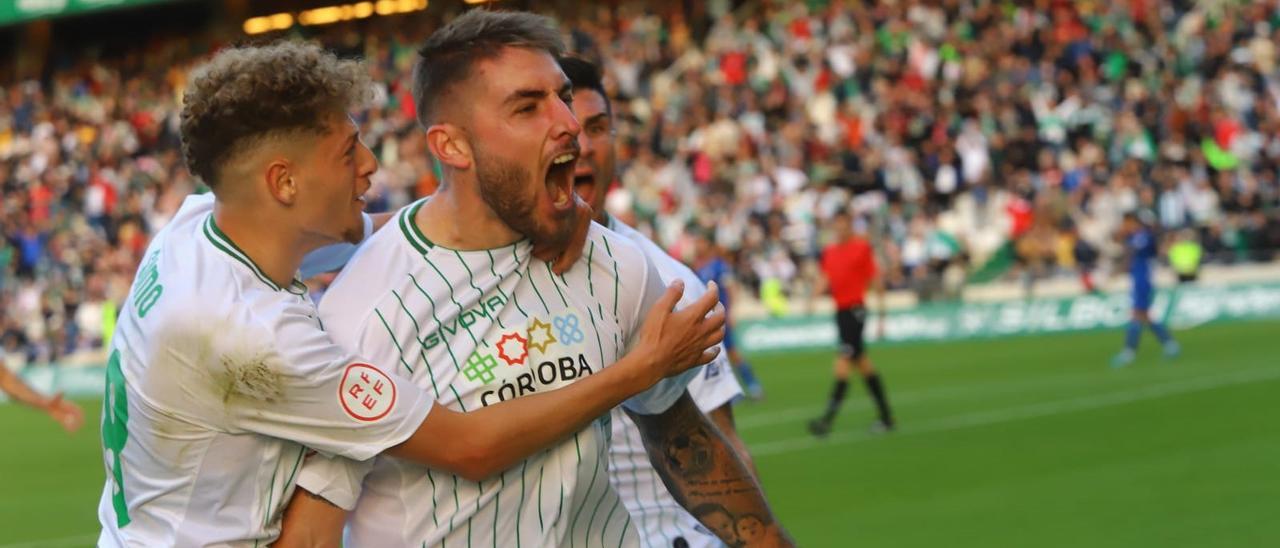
column 455, row 299
column 221, row 378
column 849, row 266
column 1140, row 248
column 66, row 413
column 711, row 267
column 658, row 515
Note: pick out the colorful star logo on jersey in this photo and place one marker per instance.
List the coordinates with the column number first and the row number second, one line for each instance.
column 513, row 349
column 540, row 336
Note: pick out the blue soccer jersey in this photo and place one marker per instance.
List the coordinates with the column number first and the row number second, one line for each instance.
column 717, row 270
column 1142, row 254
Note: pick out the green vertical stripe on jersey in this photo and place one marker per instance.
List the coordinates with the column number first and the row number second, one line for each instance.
column 604, row 492
column 493, row 263
column 573, row 526
column 457, row 505
column 552, row 275
column 609, row 250
column 266, row 514
column 432, row 478
column 471, row 278
column 625, row 526
column 422, row 346
column 292, row 474
column 635, row 480
column 445, row 280
column 391, row 335
column 599, row 345
column 542, row 527
column 448, row 347
column 656, row 498
column 424, row 293
column 497, row 500
column 479, row 486
column 591, row 282
column 534, row 283
column 560, row 509
column 301, row 452
column 524, row 466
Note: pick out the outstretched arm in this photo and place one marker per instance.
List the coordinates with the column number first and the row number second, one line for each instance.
column 705, row 475
column 66, row 413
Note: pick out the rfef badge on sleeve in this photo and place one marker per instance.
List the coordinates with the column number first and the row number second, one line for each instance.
column 366, row 393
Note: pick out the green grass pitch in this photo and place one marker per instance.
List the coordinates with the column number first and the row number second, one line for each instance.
column 1030, row 441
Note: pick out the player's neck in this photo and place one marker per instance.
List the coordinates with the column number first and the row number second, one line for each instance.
column 276, row 250
column 461, row 220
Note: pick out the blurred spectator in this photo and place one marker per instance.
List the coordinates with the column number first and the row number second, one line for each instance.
column 967, row 134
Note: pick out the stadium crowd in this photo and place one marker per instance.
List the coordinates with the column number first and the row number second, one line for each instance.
column 964, row 134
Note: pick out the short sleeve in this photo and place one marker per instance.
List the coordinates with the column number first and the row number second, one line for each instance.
column 714, row 385
column 302, row 387
column 662, row 395
column 335, row 479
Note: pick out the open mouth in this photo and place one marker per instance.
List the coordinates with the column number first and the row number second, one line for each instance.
column 585, row 185
column 560, row 180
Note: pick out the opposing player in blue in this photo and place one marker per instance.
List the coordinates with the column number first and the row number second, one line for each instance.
column 711, row 267
column 1140, row 246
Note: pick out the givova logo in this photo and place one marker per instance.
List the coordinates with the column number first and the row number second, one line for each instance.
column 513, row 350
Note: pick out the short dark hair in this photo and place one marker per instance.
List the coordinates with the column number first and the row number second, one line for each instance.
column 449, row 54
column 245, row 94
column 584, row 74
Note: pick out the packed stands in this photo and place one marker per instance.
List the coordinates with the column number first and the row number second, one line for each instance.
column 975, row 140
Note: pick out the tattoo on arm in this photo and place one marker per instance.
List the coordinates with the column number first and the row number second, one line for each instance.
column 705, row 475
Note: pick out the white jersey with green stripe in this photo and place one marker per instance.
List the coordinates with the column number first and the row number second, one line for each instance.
column 476, row 328
column 217, row 384
column 660, row 519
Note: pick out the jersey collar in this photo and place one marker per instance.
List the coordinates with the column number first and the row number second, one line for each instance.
column 411, row 231
column 224, row 244
column 422, row 244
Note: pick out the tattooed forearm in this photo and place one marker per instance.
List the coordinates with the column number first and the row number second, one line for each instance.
column 705, row 475
column 688, row 452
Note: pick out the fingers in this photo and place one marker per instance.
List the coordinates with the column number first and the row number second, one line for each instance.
column 545, row 254
column 708, row 356
column 717, row 319
column 667, row 302
column 705, row 303
column 68, row 414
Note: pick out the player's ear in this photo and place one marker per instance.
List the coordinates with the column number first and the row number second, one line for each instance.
column 280, row 182
column 448, row 144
